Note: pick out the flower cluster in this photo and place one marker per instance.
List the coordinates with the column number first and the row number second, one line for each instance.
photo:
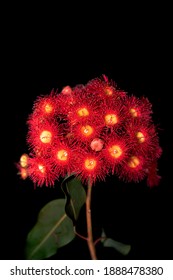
column 91, row 130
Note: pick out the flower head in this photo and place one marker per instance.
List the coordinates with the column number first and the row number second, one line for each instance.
column 91, row 130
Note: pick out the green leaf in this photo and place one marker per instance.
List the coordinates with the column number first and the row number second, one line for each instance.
column 75, row 196
column 122, row 248
column 53, row 230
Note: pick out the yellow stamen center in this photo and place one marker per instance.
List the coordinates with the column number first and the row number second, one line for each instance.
column 133, row 112
column 82, row 112
column 48, row 108
column 134, row 162
column 90, row 164
column 41, row 168
column 87, row 130
column 111, row 119
column 115, row 151
column 46, row 136
column 108, row 91
column 140, row 136
column 62, row 155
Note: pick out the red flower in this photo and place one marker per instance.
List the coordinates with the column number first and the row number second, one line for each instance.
column 64, row 103
column 111, row 116
column 42, row 134
column 62, row 159
column 90, row 165
column 104, row 89
column 41, row 172
column 45, row 106
column 85, row 132
column 145, row 139
column 116, row 151
column 133, row 169
column 85, row 109
column 137, row 109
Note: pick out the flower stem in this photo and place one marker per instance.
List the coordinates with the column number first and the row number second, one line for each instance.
column 90, row 242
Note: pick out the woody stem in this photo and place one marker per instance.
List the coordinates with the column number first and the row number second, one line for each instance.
column 90, row 242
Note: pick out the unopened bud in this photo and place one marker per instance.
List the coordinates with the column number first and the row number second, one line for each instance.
column 67, row 90
column 97, row 144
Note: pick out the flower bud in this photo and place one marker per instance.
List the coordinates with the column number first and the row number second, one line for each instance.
column 67, row 90
column 97, row 144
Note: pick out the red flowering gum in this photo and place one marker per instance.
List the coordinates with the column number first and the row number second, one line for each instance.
column 85, row 132
column 45, row 106
column 81, row 113
column 145, row 139
column 41, row 172
column 111, row 115
column 90, row 166
column 115, row 152
column 91, row 130
column 62, row 159
column 111, row 118
column 84, row 110
column 42, row 134
column 67, row 99
column 104, row 89
column 64, row 103
column 137, row 109
column 133, row 169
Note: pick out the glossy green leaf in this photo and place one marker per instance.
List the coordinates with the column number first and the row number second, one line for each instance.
column 75, row 196
column 53, row 230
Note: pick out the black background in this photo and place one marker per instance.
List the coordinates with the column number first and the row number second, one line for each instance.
column 43, row 51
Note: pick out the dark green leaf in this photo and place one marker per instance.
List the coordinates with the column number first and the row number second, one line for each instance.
column 75, row 196
column 53, row 230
